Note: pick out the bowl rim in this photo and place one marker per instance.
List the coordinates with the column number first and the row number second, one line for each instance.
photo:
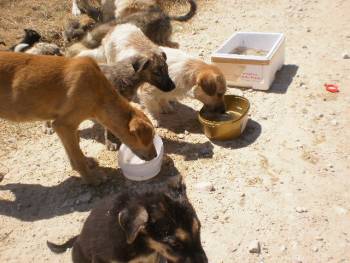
column 215, row 123
column 153, row 161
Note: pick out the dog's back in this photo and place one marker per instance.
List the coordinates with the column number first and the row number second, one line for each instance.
column 35, row 87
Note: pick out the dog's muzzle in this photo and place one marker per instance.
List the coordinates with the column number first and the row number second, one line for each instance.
column 167, row 85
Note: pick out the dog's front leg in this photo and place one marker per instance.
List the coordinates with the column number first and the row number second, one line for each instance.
column 47, row 127
column 68, row 134
column 111, row 141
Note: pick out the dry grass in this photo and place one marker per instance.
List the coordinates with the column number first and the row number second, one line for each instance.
column 47, row 17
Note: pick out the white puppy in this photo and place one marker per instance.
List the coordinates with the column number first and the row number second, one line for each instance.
column 193, row 77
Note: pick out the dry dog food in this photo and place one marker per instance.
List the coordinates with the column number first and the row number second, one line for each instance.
column 249, row 51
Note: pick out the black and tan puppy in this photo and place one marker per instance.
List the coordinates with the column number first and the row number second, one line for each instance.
column 134, row 227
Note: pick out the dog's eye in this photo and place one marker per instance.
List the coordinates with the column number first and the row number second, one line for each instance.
column 173, row 243
column 157, row 73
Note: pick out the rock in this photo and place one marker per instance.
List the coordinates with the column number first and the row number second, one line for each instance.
column 205, row 186
column 186, row 132
column 84, row 198
column 341, row 210
column 283, row 248
column 254, row 247
column 345, row 56
column 334, row 122
column 300, row 209
column 216, row 217
column 304, row 47
column 315, row 249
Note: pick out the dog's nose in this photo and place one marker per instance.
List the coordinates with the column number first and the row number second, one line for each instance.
column 220, row 109
column 168, row 85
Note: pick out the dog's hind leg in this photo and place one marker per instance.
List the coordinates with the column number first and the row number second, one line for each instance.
column 66, row 129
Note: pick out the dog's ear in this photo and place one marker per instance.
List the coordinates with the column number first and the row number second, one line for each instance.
column 208, row 85
column 164, row 55
column 140, row 63
column 132, row 220
column 142, row 130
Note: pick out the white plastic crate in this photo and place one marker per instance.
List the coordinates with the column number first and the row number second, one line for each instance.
column 255, row 71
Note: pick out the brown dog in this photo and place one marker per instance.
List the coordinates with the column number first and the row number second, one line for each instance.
column 69, row 91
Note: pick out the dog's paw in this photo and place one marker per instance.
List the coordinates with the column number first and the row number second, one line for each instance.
column 48, row 130
column 111, row 146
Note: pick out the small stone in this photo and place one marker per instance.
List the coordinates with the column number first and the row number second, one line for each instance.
column 341, row 210
column 84, row 198
column 283, row 248
column 242, row 194
column 216, row 217
column 186, row 132
column 205, row 186
column 334, row 122
column 315, row 249
column 254, row 247
column 346, row 56
column 319, row 238
column 304, row 47
column 300, row 210
column 308, row 30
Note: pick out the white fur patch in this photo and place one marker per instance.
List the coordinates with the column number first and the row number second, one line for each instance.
column 20, row 47
column 97, row 54
column 127, row 53
column 75, row 9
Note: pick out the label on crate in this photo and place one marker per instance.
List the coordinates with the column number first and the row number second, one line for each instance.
column 252, row 74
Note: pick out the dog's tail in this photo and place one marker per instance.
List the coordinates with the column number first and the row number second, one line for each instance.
column 58, row 249
column 189, row 15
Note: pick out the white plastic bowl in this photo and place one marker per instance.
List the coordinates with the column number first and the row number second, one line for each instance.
column 137, row 169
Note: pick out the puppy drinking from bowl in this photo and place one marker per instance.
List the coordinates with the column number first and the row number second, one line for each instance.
column 192, row 76
column 69, row 91
column 138, row 227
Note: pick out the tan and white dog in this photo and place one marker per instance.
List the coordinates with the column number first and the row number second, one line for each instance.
column 126, row 41
column 192, row 77
column 69, row 91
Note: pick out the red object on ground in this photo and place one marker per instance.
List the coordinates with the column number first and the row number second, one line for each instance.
column 332, row 87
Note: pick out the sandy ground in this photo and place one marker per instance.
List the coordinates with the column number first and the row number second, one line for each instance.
column 285, row 182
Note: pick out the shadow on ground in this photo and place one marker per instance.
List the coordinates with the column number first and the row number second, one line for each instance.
column 36, row 202
column 249, row 136
column 284, row 77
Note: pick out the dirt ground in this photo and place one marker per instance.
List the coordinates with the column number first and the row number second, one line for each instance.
column 285, row 182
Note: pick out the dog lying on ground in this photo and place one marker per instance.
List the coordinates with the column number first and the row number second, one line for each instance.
column 30, row 38
column 138, row 227
column 69, row 91
column 205, row 82
column 31, row 44
column 146, row 15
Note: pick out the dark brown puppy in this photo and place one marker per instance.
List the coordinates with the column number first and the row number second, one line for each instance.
column 69, row 91
column 134, row 227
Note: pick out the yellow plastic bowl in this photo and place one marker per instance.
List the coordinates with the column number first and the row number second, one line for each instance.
column 236, row 106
